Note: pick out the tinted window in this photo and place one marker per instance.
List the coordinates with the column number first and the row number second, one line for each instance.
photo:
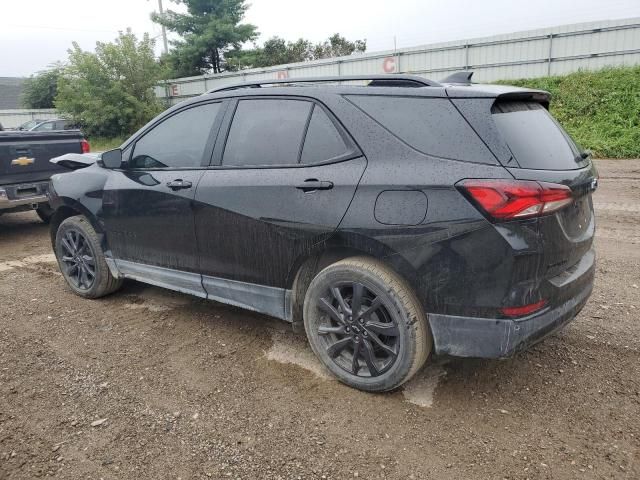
column 179, row 141
column 535, row 139
column 28, row 125
column 266, row 132
column 44, row 126
column 323, row 142
column 430, row 125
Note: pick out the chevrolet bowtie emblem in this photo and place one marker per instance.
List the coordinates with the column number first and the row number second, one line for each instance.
column 22, row 161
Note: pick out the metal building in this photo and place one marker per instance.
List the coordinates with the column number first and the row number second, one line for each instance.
column 533, row 53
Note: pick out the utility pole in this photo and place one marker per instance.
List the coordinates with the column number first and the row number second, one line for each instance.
column 164, row 30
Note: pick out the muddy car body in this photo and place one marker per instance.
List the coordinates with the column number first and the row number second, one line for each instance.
column 394, row 219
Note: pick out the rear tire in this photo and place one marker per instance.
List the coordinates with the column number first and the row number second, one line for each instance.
column 81, row 259
column 359, row 307
column 45, row 212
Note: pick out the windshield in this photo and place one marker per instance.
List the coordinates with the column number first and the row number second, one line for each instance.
column 28, row 125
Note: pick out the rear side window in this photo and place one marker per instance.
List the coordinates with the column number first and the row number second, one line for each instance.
column 266, row 132
column 177, row 142
column 323, row 141
column 430, row 125
column 535, row 139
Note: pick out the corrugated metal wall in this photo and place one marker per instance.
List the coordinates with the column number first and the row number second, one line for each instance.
column 534, row 53
column 14, row 118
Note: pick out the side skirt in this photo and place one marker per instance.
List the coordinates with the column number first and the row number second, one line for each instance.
column 258, row 298
column 185, row 282
column 272, row 301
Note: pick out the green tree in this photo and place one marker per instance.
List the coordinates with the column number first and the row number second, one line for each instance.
column 39, row 90
column 208, row 30
column 338, row 46
column 110, row 92
column 277, row 51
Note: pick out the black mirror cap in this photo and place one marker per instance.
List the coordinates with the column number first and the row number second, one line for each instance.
column 112, row 159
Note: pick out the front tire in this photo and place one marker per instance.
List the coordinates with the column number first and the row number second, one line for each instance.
column 366, row 325
column 82, row 260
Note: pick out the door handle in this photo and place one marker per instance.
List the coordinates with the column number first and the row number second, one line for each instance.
column 313, row 184
column 179, row 184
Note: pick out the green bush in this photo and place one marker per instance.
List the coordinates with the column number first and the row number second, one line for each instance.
column 600, row 109
column 109, row 93
column 102, row 144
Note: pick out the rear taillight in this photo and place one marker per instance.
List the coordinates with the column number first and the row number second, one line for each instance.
column 513, row 199
column 84, row 145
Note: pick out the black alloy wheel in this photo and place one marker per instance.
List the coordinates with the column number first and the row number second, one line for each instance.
column 78, row 260
column 360, row 335
column 365, row 324
column 81, row 259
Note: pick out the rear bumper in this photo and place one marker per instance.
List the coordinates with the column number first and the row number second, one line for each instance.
column 21, row 195
column 494, row 338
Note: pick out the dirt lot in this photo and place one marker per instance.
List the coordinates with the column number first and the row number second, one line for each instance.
column 185, row 388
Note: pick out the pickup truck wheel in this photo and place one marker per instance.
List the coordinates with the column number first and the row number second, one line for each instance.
column 45, row 212
column 82, row 261
column 366, row 325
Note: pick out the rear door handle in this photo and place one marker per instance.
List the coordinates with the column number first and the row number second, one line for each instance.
column 313, row 184
column 179, row 184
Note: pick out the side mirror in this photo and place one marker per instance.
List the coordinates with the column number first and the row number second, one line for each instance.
column 112, row 158
column 586, row 154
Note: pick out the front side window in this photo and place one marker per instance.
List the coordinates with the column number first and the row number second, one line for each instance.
column 266, row 132
column 177, row 142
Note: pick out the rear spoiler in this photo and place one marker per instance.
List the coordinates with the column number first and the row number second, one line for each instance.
column 498, row 92
column 538, row 96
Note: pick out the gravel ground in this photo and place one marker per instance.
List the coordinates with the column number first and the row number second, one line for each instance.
column 152, row 384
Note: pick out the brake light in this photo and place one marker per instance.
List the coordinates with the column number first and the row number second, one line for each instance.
column 523, row 310
column 84, row 145
column 512, row 199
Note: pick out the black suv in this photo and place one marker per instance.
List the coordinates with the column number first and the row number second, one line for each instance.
column 392, row 216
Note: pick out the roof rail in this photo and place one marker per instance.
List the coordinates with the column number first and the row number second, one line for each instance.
column 388, row 80
column 460, row 78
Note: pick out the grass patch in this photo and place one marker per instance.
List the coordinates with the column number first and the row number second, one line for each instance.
column 101, row 144
column 600, row 109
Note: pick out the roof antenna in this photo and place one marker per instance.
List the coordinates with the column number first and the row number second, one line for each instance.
column 461, row 78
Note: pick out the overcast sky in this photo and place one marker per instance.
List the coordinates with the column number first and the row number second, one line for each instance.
column 36, row 33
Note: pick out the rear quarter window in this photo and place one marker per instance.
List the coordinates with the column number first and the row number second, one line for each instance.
column 535, row 138
column 432, row 126
column 323, row 142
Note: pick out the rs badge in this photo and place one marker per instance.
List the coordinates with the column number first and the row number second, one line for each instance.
column 22, row 161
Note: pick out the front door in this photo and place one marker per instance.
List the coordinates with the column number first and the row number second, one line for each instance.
column 285, row 180
column 148, row 204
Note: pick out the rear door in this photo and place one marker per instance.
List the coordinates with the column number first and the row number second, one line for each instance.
column 285, row 174
column 148, row 204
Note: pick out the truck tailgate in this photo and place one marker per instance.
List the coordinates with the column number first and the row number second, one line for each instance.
column 24, row 156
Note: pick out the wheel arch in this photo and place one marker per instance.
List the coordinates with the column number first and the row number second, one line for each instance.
column 339, row 247
column 68, row 207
